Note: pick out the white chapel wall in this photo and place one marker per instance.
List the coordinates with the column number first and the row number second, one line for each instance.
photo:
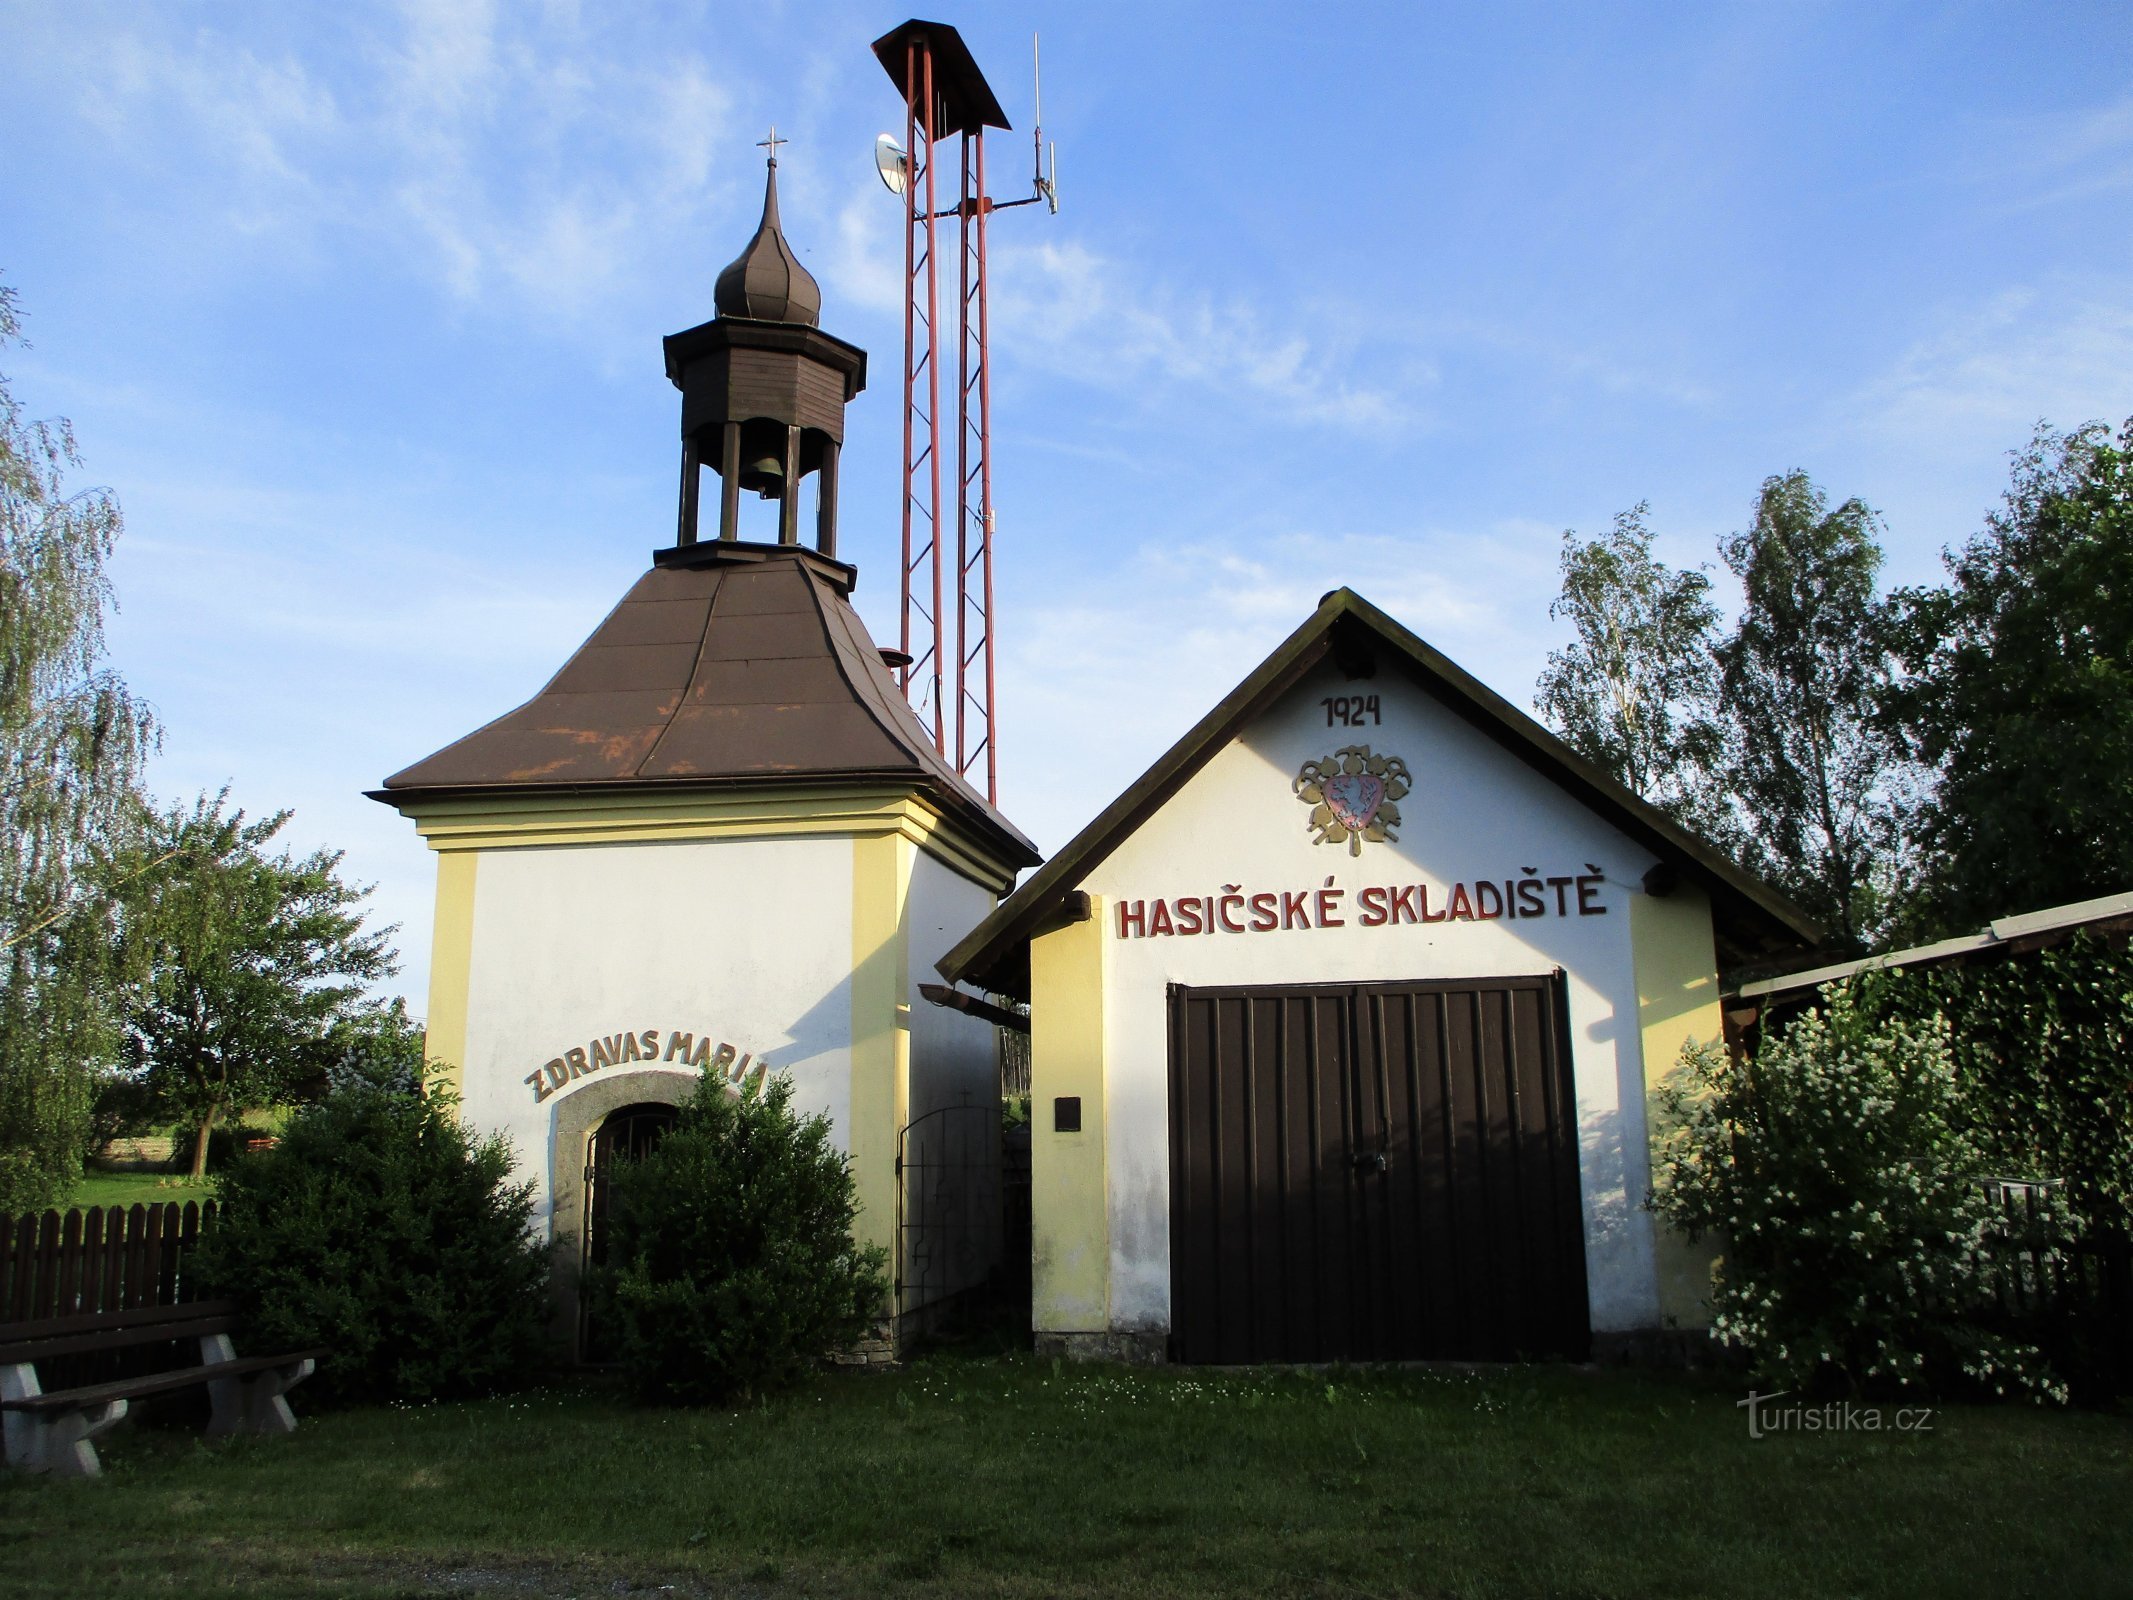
column 740, row 942
column 1475, row 812
column 953, row 1056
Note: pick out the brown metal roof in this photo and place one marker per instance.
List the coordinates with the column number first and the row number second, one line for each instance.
column 1750, row 917
column 725, row 664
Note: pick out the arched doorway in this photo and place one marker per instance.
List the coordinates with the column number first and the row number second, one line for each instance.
column 624, row 1135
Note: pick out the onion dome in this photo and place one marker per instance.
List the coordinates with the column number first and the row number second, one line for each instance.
column 766, row 282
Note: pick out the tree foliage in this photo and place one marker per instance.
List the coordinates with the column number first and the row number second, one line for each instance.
column 255, row 966
column 1813, row 777
column 73, row 742
column 1840, row 1169
column 1635, row 690
column 380, row 1045
column 2020, row 690
column 733, row 1269
column 2044, row 1046
column 382, row 1230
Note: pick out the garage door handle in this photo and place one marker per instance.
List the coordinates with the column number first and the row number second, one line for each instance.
column 1369, row 1161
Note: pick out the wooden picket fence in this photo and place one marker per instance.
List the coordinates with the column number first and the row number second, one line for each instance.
column 99, row 1258
column 2070, row 1294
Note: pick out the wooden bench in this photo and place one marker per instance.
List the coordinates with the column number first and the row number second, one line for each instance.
column 51, row 1432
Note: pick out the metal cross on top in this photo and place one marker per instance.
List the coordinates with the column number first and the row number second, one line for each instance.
column 771, row 144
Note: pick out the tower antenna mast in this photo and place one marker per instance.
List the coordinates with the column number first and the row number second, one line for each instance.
column 946, row 96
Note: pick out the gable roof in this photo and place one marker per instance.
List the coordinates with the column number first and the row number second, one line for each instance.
column 727, row 664
column 1751, row 919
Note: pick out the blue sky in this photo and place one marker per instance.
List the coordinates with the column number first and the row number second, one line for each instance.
column 358, row 308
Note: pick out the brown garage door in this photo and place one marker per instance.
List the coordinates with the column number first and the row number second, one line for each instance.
column 1374, row 1172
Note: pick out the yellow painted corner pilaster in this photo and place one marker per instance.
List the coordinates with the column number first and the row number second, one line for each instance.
column 881, row 1027
column 1677, row 1001
column 451, row 963
column 1069, row 1198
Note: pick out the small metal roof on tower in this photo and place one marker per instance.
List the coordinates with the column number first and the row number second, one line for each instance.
column 963, row 100
column 766, row 282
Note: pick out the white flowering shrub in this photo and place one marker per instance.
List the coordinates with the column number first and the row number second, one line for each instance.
column 1837, row 1170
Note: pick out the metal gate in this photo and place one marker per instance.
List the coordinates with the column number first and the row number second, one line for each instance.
column 948, row 1204
column 1374, row 1172
column 624, row 1136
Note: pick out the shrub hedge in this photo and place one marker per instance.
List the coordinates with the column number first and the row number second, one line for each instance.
column 732, row 1269
column 382, row 1230
column 1840, row 1171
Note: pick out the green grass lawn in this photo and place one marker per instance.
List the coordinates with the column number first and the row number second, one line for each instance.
column 135, row 1189
column 1016, row 1477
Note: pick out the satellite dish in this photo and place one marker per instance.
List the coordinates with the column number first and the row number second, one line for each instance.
column 892, row 163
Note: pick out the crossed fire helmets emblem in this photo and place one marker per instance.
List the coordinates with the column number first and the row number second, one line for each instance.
column 1353, row 796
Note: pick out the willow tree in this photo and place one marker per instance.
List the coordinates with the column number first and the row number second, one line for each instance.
column 73, row 741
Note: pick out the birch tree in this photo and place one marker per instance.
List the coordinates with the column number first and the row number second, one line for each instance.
column 1634, row 693
column 1819, row 787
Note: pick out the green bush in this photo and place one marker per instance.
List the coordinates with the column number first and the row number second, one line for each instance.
column 382, row 1230
column 1839, row 1171
column 2043, row 1044
column 733, row 1269
column 2043, row 1047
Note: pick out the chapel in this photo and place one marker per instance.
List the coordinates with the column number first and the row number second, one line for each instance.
column 719, row 838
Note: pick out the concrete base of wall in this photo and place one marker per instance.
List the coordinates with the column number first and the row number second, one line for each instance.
column 877, row 1349
column 1660, row 1347
column 1640, row 1347
column 1128, row 1349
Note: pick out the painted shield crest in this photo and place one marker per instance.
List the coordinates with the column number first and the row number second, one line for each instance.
column 1353, row 795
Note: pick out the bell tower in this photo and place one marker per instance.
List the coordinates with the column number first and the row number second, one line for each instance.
column 763, row 390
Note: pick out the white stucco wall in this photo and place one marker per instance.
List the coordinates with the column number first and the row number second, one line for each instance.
column 748, row 941
column 1475, row 812
column 953, row 1056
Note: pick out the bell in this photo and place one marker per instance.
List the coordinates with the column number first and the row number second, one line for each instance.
column 765, row 474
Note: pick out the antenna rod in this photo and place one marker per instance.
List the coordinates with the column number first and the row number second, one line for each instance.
column 1036, row 135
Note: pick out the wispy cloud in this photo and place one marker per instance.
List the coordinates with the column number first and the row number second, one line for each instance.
column 1983, row 373
column 498, row 151
column 1122, row 327
column 2053, row 158
column 1118, row 668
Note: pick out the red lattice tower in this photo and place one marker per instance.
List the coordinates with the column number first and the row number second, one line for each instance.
column 946, row 96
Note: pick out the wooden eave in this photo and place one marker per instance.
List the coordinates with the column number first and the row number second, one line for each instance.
column 1750, row 919
column 2109, row 917
column 747, row 333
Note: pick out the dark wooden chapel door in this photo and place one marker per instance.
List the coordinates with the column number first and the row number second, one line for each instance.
column 624, row 1136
